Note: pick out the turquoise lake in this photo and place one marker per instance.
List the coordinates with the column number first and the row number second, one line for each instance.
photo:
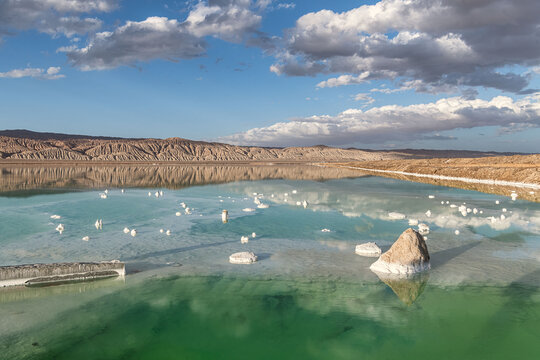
column 308, row 297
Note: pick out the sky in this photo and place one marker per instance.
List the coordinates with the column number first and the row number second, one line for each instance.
column 437, row 74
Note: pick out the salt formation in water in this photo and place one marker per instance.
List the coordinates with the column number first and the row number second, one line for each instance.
column 56, row 217
column 86, row 238
column 396, row 216
column 253, row 235
column 423, row 228
column 248, row 209
column 304, row 204
column 413, row 222
column 514, row 196
column 133, row 232
column 183, row 204
column 224, row 216
column 60, row 228
column 456, row 232
column 168, row 232
column 149, row 193
column 161, row 231
column 244, row 239
column 178, row 213
column 103, row 196
column 431, row 196
column 428, row 213
column 99, row 224
column 187, row 211
column 408, row 255
column 126, row 230
column 244, row 257
column 263, row 206
column 325, row 230
column 368, row 249
column 294, row 191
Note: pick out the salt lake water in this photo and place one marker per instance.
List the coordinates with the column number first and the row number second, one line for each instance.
column 308, row 297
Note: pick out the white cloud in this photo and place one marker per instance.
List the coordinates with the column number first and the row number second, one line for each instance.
column 380, row 124
column 344, row 80
column 286, row 6
column 53, row 16
column 439, row 43
column 52, row 73
column 226, row 20
column 365, row 98
column 153, row 38
column 168, row 39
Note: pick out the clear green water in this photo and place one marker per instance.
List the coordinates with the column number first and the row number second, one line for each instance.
column 309, row 296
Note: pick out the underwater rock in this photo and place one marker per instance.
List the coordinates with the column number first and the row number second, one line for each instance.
column 244, row 257
column 368, row 249
column 408, row 255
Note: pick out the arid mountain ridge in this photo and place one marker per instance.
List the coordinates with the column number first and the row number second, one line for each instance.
column 24, row 145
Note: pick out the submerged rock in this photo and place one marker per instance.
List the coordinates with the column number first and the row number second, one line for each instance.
column 408, row 255
column 368, row 249
column 244, row 257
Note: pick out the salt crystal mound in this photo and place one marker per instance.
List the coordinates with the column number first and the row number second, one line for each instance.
column 244, row 257
column 368, row 249
column 407, row 256
column 396, row 216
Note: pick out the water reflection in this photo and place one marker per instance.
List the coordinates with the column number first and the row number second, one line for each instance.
column 16, row 178
column 406, row 288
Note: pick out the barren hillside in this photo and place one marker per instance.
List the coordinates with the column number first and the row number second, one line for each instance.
column 23, row 146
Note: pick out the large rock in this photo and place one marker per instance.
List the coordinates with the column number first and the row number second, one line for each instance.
column 408, row 255
column 244, row 257
column 406, row 288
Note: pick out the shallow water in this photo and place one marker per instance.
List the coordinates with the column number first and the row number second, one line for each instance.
column 309, row 296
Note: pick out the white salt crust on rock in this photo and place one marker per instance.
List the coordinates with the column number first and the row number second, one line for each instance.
column 368, row 249
column 244, row 257
column 408, row 255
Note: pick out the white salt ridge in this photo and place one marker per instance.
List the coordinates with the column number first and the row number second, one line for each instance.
column 399, row 269
column 263, row 206
column 369, row 249
column 248, row 209
column 396, row 216
column 244, row 257
column 454, row 178
column 56, row 217
column 325, row 230
column 431, row 196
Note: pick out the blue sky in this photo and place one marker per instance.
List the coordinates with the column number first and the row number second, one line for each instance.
column 388, row 74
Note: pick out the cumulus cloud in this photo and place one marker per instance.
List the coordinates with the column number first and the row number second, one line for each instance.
column 52, row 16
column 52, row 73
column 168, row 39
column 393, row 122
column 155, row 37
column 438, row 43
column 365, row 98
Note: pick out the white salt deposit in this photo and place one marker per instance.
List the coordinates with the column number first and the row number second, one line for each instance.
column 325, row 230
column 253, row 235
column 161, row 231
column 126, row 230
column 244, row 239
column 248, row 209
column 86, row 238
column 56, row 217
column 428, row 213
column 263, row 206
column 133, row 232
column 178, row 213
column 103, row 196
column 243, row 258
column 423, row 228
column 60, row 228
column 456, row 232
column 168, row 232
column 368, row 249
column 399, row 269
column 396, row 216
column 413, row 222
column 431, row 196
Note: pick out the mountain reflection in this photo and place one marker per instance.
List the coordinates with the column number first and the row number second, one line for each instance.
column 16, row 178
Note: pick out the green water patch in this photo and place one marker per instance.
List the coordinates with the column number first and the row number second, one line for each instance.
column 244, row 318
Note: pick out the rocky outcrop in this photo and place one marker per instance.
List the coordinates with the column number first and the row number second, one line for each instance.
column 408, row 255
